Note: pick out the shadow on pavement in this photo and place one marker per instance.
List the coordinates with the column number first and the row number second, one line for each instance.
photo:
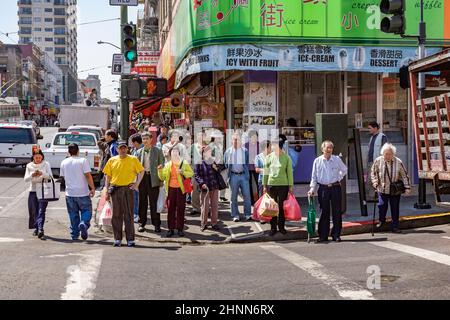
column 108, row 243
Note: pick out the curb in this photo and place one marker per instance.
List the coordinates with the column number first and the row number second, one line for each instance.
column 300, row 233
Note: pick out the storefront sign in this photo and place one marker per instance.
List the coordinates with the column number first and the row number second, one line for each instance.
column 296, row 58
column 147, row 63
column 261, row 109
column 328, row 22
column 167, row 106
column 179, row 122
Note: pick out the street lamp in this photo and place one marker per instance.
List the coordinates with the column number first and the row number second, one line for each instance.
column 104, row 42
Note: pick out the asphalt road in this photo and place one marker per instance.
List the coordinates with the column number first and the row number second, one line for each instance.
column 413, row 265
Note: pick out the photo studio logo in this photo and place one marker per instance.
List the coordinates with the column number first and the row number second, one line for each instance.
column 374, row 279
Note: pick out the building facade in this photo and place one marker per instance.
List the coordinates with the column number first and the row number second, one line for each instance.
column 270, row 61
column 52, row 25
column 11, row 71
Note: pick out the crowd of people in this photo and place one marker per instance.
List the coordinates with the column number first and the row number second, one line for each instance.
column 161, row 168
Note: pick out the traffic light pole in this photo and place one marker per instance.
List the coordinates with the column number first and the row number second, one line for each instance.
column 422, row 201
column 124, row 104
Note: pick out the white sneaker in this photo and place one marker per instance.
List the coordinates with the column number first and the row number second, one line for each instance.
column 236, row 220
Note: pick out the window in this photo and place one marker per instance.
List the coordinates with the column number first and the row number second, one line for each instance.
column 36, row 10
column 48, row 10
column 60, row 21
column 48, row 19
column 60, row 31
column 80, row 140
column 49, row 39
column 25, row 20
column 37, row 29
column 38, row 39
column 60, row 41
column 17, row 136
column 48, row 49
column 48, row 29
column 60, row 50
column 25, row 30
column 60, row 12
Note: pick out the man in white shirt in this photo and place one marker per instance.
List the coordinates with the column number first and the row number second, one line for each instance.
column 328, row 171
column 79, row 191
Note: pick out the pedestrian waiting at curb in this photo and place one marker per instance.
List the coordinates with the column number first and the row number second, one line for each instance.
column 207, row 176
column 173, row 174
column 278, row 182
column 36, row 171
column 390, row 179
column 236, row 161
column 121, row 172
column 151, row 158
column 327, row 173
column 260, row 162
column 80, row 188
column 136, row 141
column 253, row 150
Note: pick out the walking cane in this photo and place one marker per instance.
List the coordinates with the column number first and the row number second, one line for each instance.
column 374, row 209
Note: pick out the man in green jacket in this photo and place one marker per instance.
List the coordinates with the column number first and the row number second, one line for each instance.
column 151, row 158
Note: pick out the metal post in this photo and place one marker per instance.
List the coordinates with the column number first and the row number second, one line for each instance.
column 124, row 104
column 422, row 201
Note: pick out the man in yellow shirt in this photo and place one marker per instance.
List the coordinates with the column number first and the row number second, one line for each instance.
column 121, row 172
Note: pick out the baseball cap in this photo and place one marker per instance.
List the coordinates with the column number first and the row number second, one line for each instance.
column 122, row 143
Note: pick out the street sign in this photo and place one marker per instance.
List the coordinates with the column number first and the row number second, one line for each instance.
column 117, row 64
column 123, row 2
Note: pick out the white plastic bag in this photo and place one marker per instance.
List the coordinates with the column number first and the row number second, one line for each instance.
column 106, row 215
column 161, row 200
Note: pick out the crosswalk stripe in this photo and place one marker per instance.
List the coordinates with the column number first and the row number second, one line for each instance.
column 448, row 238
column 83, row 276
column 6, row 240
column 422, row 253
column 345, row 288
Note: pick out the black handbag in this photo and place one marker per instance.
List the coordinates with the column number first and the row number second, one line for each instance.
column 396, row 188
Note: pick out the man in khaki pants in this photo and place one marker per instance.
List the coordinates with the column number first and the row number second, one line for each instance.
column 121, row 172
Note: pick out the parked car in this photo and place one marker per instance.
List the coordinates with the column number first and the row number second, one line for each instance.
column 35, row 126
column 91, row 129
column 57, row 151
column 17, row 143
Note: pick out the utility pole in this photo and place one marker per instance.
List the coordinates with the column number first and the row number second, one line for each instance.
column 422, row 201
column 124, row 103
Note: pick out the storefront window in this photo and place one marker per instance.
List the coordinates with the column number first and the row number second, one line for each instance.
column 395, row 115
column 362, row 98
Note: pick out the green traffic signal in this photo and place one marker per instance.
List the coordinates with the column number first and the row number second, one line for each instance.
column 131, row 56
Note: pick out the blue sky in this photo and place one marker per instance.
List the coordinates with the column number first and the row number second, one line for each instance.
column 90, row 54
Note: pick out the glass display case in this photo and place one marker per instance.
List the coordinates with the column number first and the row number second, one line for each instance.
column 299, row 135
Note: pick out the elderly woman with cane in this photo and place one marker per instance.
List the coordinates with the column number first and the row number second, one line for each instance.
column 390, row 180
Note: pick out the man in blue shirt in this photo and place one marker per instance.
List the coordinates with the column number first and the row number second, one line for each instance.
column 237, row 161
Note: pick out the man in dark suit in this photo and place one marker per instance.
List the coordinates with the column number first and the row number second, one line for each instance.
column 151, row 158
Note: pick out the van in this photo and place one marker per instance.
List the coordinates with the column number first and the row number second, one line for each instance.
column 17, row 143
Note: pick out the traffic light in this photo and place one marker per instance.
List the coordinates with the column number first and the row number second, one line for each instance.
column 129, row 42
column 397, row 22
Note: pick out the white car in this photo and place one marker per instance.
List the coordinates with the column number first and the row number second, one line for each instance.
column 91, row 129
column 17, row 143
column 57, row 151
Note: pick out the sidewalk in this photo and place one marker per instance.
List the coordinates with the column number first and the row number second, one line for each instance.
column 243, row 231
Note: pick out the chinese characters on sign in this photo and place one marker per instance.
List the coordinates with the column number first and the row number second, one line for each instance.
column 272, row 15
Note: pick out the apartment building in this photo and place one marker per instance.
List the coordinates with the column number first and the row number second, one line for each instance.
column 52, row 25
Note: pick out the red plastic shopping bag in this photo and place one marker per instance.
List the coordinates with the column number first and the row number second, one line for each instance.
column 292, row 210
column 256, row 209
